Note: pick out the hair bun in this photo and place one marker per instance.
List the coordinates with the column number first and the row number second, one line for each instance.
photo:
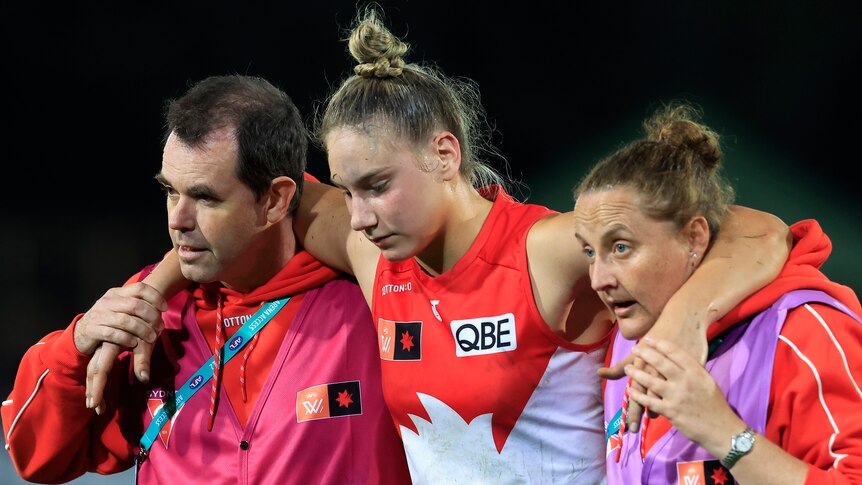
column 378, row 51
column 382, row 68
column 677, row 125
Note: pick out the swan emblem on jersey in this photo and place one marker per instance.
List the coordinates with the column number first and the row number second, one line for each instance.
column 533, row 451
column 434, row 304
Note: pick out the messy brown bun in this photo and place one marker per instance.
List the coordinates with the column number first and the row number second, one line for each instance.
column 675, row 168
column 677, row 125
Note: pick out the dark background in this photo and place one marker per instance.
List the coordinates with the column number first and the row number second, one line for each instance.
column 563, row 83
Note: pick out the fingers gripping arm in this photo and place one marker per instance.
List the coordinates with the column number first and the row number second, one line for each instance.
column 167, row 279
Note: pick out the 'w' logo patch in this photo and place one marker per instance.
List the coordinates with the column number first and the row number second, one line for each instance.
column 399, row 340
column 709, row 472
column 328, row 401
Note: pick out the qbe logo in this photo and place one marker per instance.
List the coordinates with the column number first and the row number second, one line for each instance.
column 484, row 335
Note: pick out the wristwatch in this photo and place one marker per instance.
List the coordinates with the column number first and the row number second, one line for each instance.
column 740, row 445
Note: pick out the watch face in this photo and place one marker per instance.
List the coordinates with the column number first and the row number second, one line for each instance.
column 743, row 442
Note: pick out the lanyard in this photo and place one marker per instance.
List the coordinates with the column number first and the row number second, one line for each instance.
column 205, row 373
column 614, row 425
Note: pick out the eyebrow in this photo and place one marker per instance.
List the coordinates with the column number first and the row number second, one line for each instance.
column 195, row 191
column 614, row 231
column 617, row 228
column 364, row 179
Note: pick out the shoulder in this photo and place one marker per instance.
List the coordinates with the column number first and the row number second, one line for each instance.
column 340, row 295
column 342, row 286
column 814, row 399
column 554, row 252
column 817, row 340
column 814, row 324
column 519, row 213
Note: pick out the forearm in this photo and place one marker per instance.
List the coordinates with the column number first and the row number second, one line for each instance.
column 322, row 225
column 748, row 253
column 783, row 468
column 48, row 430
column 167, row 277
column 714, row 289
column 715, row 437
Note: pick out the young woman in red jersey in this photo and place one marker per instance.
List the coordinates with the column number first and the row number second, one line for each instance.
column 489, row 332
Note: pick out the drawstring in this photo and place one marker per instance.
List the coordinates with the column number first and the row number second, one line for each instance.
column 644, row 427
column 245, row 355
column 624, row 426
column 217, row 355
column 623, row 418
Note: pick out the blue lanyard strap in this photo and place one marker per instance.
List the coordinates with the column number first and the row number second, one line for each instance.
column 614, row 426
column 205, row 373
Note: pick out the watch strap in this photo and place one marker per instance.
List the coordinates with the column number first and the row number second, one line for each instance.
column 736, row 453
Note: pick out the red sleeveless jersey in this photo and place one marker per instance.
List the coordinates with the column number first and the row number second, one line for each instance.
column 481, row 389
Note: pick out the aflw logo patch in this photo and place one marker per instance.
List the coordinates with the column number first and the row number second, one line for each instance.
column 328, row 401
column 484, row 335
column 399, row 340
column 155, row 400
column 703, row 473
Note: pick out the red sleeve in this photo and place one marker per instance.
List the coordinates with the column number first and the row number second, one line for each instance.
column 50, row 434
column 138, row 276
column 815, row 398
column 308, row 176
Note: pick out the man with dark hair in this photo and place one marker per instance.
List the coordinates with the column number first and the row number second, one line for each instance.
column 302, row 400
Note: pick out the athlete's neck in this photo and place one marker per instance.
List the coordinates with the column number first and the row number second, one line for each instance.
column 467, row 212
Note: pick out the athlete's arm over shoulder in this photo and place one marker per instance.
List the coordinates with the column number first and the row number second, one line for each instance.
column 322, row 225
column 749, row 252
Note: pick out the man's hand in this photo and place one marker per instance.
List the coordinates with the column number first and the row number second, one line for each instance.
column 122, row 316
column 148, row 300
column 129, row 317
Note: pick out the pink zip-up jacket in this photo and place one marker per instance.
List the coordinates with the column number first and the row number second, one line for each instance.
column 319, row 417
